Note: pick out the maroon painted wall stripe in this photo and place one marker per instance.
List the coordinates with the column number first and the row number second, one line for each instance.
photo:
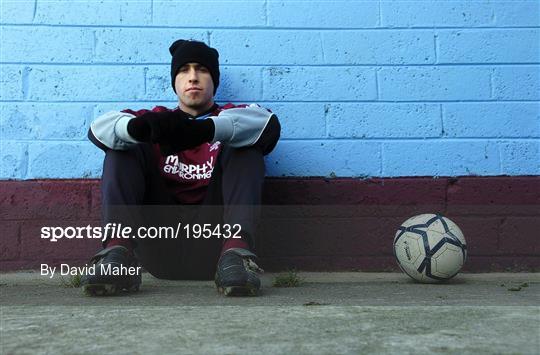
column 500, row 217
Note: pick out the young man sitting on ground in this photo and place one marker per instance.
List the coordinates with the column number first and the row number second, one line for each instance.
column 196, row 155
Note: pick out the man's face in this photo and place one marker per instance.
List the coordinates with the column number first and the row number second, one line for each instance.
column 194, row 87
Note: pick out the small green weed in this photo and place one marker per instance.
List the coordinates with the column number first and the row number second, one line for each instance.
column 287, row 279
column 74, row 281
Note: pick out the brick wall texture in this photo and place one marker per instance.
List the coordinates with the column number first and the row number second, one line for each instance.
column 363, row 88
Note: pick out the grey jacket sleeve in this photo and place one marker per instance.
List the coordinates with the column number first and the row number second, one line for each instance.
column 237, row 127
column 247, row 126
column 109, row 131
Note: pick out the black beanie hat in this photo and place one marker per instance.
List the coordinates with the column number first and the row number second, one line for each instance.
column 183, row 52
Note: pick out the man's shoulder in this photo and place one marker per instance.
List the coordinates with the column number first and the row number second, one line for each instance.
column 229, row 106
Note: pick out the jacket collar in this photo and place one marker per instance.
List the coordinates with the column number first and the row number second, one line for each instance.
column 210, row 110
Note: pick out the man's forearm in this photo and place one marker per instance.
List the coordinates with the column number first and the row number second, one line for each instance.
column 109, row 131
column 243, row 127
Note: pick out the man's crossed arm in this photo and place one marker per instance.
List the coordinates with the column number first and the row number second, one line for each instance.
column 174, row 131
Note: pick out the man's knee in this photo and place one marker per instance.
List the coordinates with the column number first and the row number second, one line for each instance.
column 123, row 177
column 133, row 158
column 250, row 158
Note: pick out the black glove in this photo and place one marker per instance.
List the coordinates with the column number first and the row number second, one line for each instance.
column 139, row 129
column 174, row 131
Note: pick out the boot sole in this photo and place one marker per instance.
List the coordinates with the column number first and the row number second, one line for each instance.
column 107, row 289
column 235, row 291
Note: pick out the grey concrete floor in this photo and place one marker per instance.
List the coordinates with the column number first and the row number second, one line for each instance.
column 329, row 313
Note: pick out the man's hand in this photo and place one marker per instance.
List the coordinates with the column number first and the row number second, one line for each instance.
column 174, row 131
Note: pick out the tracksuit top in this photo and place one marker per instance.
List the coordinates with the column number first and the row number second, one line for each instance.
column 188, row 173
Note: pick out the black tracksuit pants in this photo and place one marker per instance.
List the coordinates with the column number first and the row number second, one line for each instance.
column 135, row 194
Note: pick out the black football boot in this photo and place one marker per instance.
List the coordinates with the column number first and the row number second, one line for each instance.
column 236, row 273
column 112, row 268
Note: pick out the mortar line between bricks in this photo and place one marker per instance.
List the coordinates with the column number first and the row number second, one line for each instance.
column 442, row 119
column 251, row 65
column 26, row 162
column 385, row 102
column 379, row 20
column 510, row 255
column 145, row 74
column 57, row 140
column 271, row 28
column 428, row 203
column 94, row 45
column 322, row 47
column 261, row 77
column 89, row 219
column 266, row 17
column 279, row 101
column 377, row 87
column 336, row 139
column 493, row 18
column 410, row 139
column 34, row 11
column 435, row 49
column 491, row 84
column 326, row 108
column 381, row 163
column 447, row 186
column 499, row 151
column 152, row 11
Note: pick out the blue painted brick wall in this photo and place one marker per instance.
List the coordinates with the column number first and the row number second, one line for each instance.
column 362, row 88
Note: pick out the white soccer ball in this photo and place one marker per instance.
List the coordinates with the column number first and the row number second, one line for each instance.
column 430, row 248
